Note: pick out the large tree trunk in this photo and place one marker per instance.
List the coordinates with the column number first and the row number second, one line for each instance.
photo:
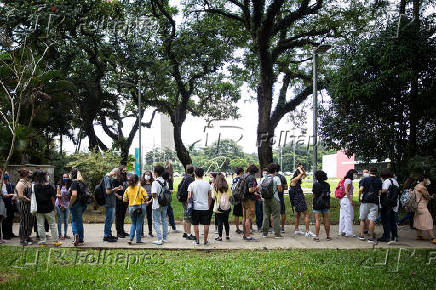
column 265, row 132
column 182, row 152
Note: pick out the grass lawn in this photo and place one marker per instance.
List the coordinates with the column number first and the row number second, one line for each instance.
column 90, row 217
column 261, row 269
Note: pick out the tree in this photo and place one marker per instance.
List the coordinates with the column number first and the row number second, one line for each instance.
column 281, row 35
column 382, row 93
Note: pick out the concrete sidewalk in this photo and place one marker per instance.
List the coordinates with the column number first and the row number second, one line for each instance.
column 94, row 239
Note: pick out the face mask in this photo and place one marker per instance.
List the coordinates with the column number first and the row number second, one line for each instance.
column 428, row 182
column 65, row 180
column 30, row 176
column 210, row 180
column 265, row 174
column 366, row 175
column 147, row 177
column 5, row 176
column 47, row 178
column 354, row 176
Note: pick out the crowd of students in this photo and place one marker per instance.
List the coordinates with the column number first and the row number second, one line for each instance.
column 251, row 200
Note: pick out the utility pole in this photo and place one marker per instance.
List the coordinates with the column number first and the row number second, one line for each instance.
column 140, row 131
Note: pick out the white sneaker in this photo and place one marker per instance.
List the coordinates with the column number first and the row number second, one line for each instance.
column 299, row 232
column 310, row 234
column 159, row 243
column 164, row 241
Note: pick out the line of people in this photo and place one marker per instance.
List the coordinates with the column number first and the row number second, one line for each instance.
column 262, row 201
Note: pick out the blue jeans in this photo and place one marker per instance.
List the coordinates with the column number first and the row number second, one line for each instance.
column 259, row 214
column 77, row 210
column 160, row 218
column 170, row 213
column 63, row 216
column 409, row 216
column 137, row 222
column 108, row 221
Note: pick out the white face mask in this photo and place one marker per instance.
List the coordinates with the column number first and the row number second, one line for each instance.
column 366, row 175
column 147, row 177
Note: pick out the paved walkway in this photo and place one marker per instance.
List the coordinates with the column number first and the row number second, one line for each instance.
column 94, row 239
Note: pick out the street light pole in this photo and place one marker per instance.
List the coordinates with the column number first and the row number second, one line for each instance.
column 140, row 131
column 316, row 51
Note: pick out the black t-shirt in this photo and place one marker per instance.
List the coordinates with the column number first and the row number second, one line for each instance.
column 320, row 188
column 250, row 180
column 43, row 194
column 373, row 184
column 284, row 182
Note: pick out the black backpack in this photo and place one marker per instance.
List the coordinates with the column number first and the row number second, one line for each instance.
column 182, row 189
column 84, row 196
column 267, row 187
column 164, row 197
column 99, row 193
column 370, row 194
column 389, row 200
column 240, row 190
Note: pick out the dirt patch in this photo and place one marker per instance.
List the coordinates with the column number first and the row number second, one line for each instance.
column 6, row 277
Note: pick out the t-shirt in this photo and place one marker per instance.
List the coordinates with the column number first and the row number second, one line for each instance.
column 366, row 184
column 283, row 181
column 64, row 199
column 276, row 182
column 43, row 194
column 318, row 189
column 133, row 192
column 386, row 184
column 350, row 182
column 156, row 188
column 200, row 194
column 250, row 180
column 217, row 197
column 110, row 199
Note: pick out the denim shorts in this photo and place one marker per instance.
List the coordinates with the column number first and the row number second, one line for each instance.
column 326, row 210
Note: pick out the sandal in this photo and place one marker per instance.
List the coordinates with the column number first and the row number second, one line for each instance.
column 420, row 238
column 316, row 239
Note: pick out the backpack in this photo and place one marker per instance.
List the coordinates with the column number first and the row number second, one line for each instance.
column 240, row 190
column 224, row 202
column 408, row 200
column 370, row 194
column 99, row 193
column 84, row 196
column 267, row 187
column 164, row 197
column 340, row 189
column 322, row 201
column 182, row 190
column 390, row 199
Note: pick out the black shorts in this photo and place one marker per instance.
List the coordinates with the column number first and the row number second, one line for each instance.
column 237, row 209
column 201, row 217
column 282, row 204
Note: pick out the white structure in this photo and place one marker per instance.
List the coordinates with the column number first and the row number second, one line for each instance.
column 329, row 165
column 166, row 133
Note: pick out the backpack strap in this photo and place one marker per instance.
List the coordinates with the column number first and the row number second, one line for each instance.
column 162, row 185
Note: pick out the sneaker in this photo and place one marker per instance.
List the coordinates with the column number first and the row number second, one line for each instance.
column 197, row 243
column 383, row 240
column 57, row 244
column 250, row 238
column 150, row 235
column 207, row 243
column 282, row 231
column 360, row 237
column 270, row 230
column 298, row 232
column 110, row 239
column 113, row 237
column 219, row 239
column 316, row 239
column 158, row 243
column 139, row 242
column 350, row 236
column 121, row 236
column 328, row 239
column 372, row 240
column 278, row 237
column 191, row 237
column 164, row 241
column 228, row 238
column 392, row 242
column 309, row 234
column 264, row 236
column 238, row 231
column 176, row 231
column 130, row 242
column 185, row 235
column 216, row 232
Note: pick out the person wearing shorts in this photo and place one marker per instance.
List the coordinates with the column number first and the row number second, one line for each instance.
column 249, row 205
column 370, row 188
column 321, row 203
column 201, row 195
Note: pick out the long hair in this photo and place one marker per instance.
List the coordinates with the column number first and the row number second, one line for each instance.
column 143, row 181
column 132, row 180
column 221, row 183
column 66, row 184
column 39, row 177
column 350, row 173
column 409, row 183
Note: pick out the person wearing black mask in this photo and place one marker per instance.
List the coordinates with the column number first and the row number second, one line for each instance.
column 9, row 199
column 121, row 206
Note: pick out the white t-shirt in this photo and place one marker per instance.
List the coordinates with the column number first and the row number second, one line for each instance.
column 350, row 182
column 200, row 194
column 385, row 186
column 156, row 188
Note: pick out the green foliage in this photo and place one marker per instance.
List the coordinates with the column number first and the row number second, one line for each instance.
column 94, row 165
